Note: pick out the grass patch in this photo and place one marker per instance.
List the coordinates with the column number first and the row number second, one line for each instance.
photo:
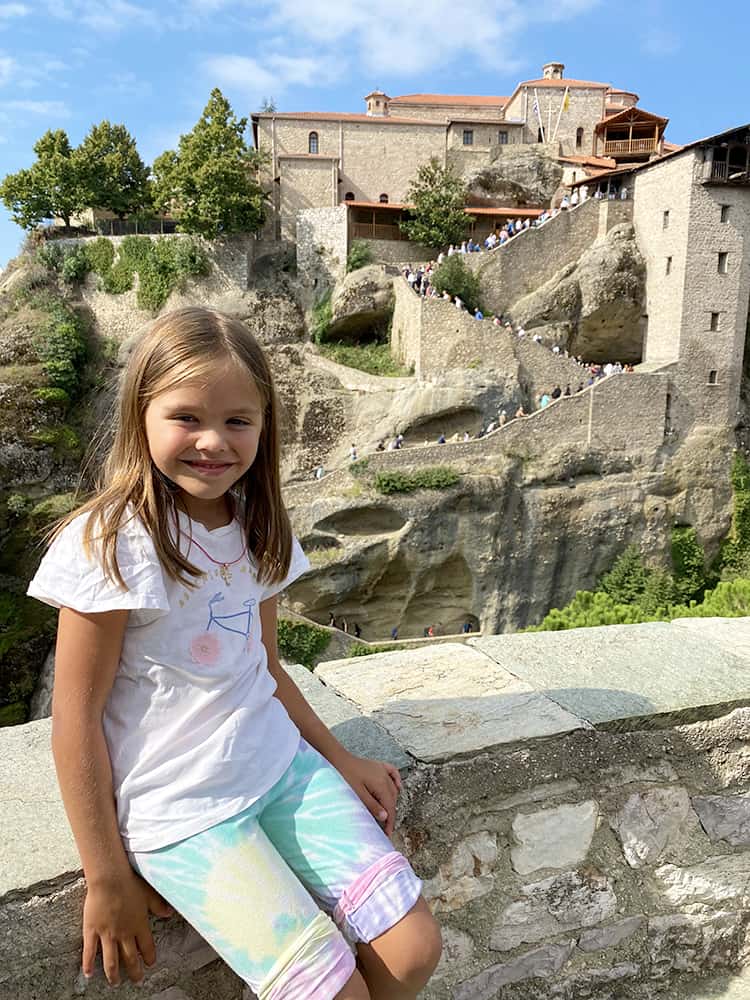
column 438, row 477
column 375, row 359
column 322, row 314
column 367, row 649
column 319, row 557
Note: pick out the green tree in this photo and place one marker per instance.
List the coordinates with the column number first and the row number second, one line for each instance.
column 50, row 188
column 113, row 176
column 438, row 217
column 454, row 277
column 210, row 182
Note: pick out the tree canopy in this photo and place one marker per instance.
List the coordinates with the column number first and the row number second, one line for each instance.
column 50, row 188
column 112, row 174
column 438, row 217
column 210, row 183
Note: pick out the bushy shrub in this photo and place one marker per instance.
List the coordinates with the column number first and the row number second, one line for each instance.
column 75, row 265
column 16, row 504
column 101, row 255
column 365, row 649
column 51, row 255
column 62, row 349
column 688, row 563
column 436, row 478
column 322, row 314
column 300, row 642
column 52, row 395
column 360, row 255
column 118, row 279
column 455, row 278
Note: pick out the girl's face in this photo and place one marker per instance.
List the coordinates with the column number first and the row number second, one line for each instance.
column 204, row 437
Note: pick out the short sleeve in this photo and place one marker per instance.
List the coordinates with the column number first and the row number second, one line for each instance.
column 299, row 564
column 67, row 578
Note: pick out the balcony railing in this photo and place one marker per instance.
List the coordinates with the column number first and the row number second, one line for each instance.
column 728, row 173
column 627, row 147
column 377, row 231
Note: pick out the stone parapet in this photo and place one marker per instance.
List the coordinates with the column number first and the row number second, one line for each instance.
column 577, row 803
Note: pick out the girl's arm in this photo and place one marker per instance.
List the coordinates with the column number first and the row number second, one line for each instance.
column 376, row 783
column 117, row 901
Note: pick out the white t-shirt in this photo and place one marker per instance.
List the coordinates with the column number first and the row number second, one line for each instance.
column 194, row 732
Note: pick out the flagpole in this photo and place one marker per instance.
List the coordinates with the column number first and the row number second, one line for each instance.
column 538, row 113
column 549, row 119
column 559, row 116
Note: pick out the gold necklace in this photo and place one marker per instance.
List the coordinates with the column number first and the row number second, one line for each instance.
column 224, row 571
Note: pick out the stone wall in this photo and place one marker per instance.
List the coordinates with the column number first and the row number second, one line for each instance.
column 399, row 252
column 305, row 182
column 577, row 803
column 322, row 245
column 434, row 336
column 585, row 109
column 536, row 255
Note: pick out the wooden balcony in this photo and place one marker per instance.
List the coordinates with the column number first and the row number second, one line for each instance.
column 377, row 231
column 630, row 147
column 728, row 173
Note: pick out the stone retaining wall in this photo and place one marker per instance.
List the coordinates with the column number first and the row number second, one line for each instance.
column 578, row 804
column 536, row 255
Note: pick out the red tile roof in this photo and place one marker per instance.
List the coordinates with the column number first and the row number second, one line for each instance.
column 594, row 161
column 475, row 99
column 470, row 209
column 564, row 83
column 336, row 116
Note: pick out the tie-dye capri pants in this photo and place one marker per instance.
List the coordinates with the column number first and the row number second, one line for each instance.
column 255, row 885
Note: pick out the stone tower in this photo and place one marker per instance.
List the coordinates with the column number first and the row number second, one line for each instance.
column 553, row 71
column 377, row 104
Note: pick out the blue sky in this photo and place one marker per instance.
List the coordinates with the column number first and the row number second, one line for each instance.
column 151, row 65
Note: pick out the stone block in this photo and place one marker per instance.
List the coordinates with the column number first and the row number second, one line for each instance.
column 458, row 951
column 540, row 963
column 601, row 938
column 652, row 822
column 725, row 817
column 467, row 875
column 553, row 838
column 547, row 908
column 359, row 734
column 616, row 673
column 422, row 700
column 693, row 942
column 719, row 881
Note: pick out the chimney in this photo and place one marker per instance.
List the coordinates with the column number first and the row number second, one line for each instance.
column 553, row 71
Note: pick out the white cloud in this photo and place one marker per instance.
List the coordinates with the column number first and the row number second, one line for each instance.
column 7, row 66
column 109, row 18
column 47, row 109
column 9, row 10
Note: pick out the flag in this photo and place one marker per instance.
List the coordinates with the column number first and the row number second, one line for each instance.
column 566, row 101
column 535, row 106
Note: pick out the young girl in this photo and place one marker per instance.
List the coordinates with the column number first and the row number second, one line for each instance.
column 191, row 767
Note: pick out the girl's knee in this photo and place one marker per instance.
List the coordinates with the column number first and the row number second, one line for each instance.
column 424, row 954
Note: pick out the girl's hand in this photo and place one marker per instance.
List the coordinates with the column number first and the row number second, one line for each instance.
column 376, row 783
column 116, row 914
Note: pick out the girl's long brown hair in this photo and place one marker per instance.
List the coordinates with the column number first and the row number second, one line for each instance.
column 185, row 345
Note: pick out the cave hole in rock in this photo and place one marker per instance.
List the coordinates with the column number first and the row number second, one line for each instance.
column 372, row 520
column 315, row 541
column 442, row 598
column 456, row 422
column 377, row 607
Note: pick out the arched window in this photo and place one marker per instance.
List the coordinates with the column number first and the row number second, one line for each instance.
column 349, row 196
column 383, row 199
column 579, row 138
column 312, row 142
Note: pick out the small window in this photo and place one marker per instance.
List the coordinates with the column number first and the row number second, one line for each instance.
column 468, row 137
column 349, row 196
column 669, row 266
column 539, row 136
column 579, row 138
column 725, row 213
column 312, row 142
column 665, row 220
column 383, row 199
column 723, row 263
column 377, row 104
column 502, row 138
column 713, row 377
column 574, row 176
column 714, row 321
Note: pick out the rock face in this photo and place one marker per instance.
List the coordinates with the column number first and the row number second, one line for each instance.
column 363, row 301
column 593, row 308
column 521, row 176
column 513, row 538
